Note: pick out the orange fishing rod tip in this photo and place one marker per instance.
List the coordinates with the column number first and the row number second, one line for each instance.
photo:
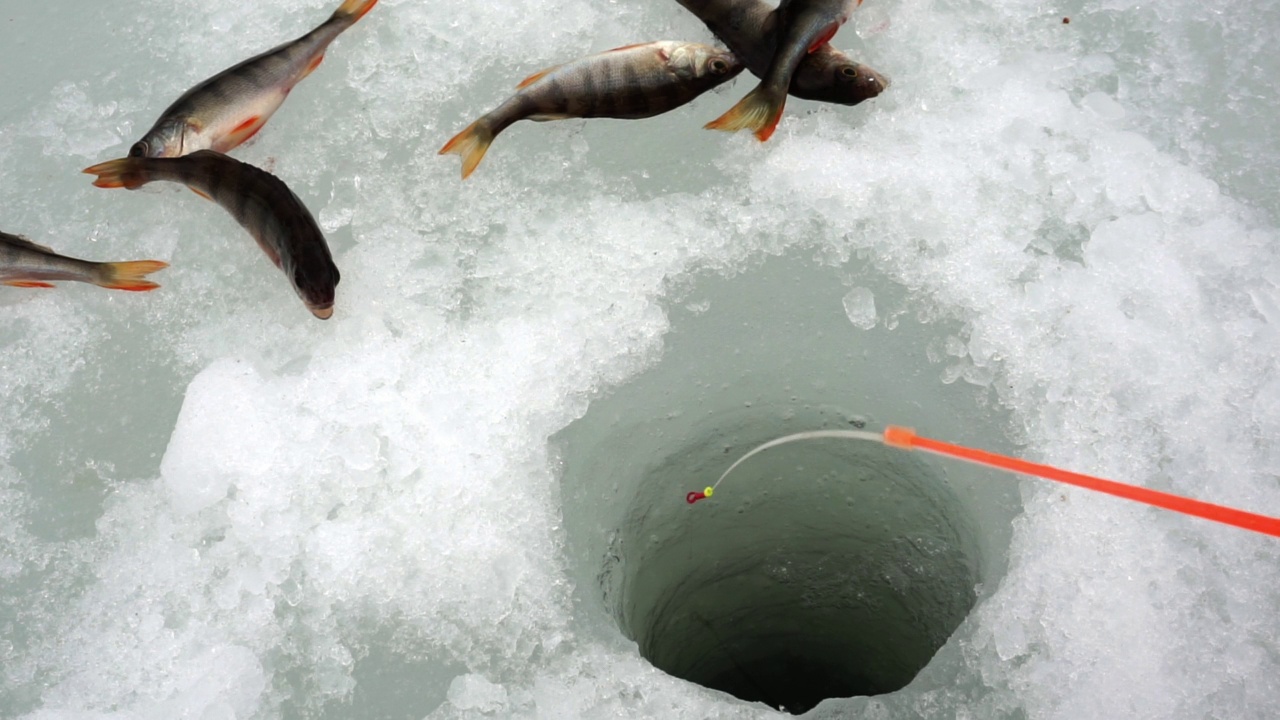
column 899, row 437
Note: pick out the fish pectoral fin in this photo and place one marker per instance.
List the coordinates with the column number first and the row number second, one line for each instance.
column 770, row 23
column 26, row 284
column 201, row 193
column 825, row 36
column 548, row 117
column 243, row 132
column 535, row 77
column 269, row 251
column 311, row 67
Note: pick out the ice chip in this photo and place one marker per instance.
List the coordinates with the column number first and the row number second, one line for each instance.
column 860, row 306
column 1104, row 106
column 475, row 692
column 222, row 410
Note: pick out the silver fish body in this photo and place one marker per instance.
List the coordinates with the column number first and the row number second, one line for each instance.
column 259, row 201
column 232, row 106
column 802, row 27
column 750, row 29
column 26, row 264
column 631, row 82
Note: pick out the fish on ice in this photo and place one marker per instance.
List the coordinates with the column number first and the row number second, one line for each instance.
column 803, row 26
column 630, row 82
column 750, row 29
column 26, row 264
column 232, row 106
column 258, row 200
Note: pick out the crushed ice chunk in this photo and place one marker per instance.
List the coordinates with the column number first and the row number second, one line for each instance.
column 980, row 376
column 1104, row 106
column 860, row 306
column 475, row 692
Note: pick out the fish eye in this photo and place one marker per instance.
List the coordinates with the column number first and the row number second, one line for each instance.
column 849, row 72
column 139, row 149
column 719, row 67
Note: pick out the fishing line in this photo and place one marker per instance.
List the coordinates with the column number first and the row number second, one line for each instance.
column 906, row 439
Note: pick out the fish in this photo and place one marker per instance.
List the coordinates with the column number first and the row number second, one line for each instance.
column 629, row 82
column 803, row 26
column 26, row 264
column 749, row 29
column 258, row 200
column 232, row 106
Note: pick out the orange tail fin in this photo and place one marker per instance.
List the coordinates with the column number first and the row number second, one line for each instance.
column 471, row 144
column 758, row 112
column 125, row 173
column 354, row 9
column 129, row 275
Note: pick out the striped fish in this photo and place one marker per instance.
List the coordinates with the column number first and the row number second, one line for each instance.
column 631, row 82
column 258, row 200
column 232, row 106
column 803, row 26
column 26, row 264
column 750, row 29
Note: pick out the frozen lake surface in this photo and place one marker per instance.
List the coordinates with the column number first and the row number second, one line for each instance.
column 1055, row 238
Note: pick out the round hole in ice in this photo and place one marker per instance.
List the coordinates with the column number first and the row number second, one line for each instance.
column 823, row 569
column 828, row 569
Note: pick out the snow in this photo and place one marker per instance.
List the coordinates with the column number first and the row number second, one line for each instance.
column 213, row 505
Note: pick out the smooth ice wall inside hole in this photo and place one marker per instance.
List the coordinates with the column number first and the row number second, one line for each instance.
column 770, row 351
column 846, row 587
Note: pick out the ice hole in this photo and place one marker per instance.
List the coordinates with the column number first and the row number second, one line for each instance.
column 824, row 569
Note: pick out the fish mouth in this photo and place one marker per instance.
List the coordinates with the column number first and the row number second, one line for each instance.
column 324, row 312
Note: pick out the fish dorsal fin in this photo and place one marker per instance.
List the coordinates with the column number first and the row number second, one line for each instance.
column 536, row 77
column 659, row 48
column 627, row 47
column 26, row 242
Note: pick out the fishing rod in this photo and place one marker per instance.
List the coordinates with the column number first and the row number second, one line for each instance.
column 904, row 438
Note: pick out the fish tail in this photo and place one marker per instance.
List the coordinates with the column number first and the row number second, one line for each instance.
column 129, row 275
column 758, row 112
column 125, row 173
column 471, row 144
column 352, row 10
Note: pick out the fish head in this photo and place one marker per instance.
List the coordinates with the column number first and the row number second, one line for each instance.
column 831, row 76
column 168, row 139
column 316, row 284
column 696, row 61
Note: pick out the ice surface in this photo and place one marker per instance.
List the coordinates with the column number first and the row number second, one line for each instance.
column 213, row 505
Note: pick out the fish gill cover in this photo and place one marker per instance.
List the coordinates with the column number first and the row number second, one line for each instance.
column 213, row 506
